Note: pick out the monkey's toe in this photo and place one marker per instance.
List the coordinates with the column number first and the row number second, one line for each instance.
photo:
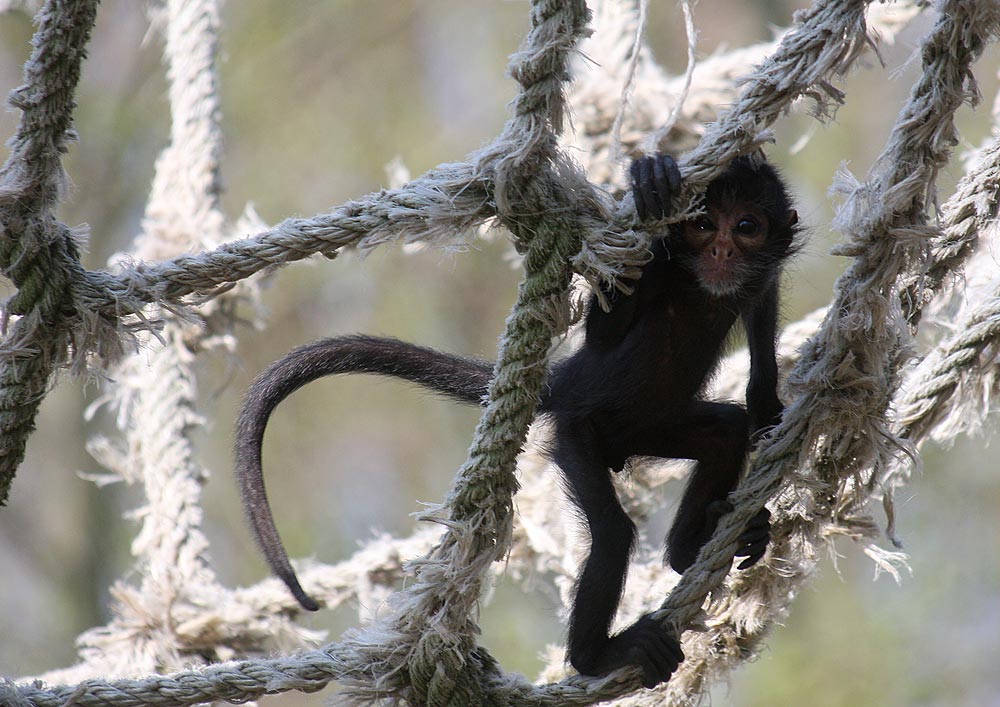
column 652, row 649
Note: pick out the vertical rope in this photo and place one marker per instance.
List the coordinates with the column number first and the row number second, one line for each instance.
column 443, row 663
column 478, row 511
column 37, row 253
column 848, row 373
column 156, row 394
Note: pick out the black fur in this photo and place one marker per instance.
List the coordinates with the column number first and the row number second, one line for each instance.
column 632, row 389
column 459, row 378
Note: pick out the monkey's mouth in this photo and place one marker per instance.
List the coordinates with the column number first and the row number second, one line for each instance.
column 720, row 282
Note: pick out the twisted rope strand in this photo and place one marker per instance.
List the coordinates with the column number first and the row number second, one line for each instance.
column 353, row 660
column 445, row 667
column 156, row 395
column 443, row 684
column 848, row 372
column 960, row 362
column 36, row 252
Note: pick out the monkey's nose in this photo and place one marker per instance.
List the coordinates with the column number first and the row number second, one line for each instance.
column 721, row 253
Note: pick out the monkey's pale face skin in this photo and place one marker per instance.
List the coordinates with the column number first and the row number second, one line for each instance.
column 724, row 239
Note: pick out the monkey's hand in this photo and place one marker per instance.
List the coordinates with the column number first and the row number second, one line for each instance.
column 655, row 181
column 645, row 644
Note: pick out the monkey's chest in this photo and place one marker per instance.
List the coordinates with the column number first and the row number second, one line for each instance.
column 666, row 358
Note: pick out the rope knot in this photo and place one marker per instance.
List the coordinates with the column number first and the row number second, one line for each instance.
column 43, row 263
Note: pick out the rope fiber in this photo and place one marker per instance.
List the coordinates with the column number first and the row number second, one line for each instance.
column 837, row 448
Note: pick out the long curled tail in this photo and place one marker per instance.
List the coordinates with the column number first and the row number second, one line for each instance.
column 461, row 379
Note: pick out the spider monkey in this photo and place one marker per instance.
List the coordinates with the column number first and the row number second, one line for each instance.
column 632, row 389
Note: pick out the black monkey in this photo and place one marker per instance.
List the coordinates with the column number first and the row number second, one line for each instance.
column 632, row 389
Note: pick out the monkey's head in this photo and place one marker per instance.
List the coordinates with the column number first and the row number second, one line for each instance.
column 748, row 228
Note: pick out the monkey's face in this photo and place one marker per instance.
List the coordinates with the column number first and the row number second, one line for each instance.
column 726, row 245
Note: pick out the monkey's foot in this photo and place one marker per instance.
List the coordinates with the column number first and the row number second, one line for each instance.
column 646, row 645
column 753, row 542
column 754, row 538
column 655, row 180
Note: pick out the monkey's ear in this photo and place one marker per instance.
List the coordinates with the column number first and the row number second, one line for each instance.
column 793, row 217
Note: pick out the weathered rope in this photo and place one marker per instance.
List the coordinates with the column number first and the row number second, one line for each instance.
column 248, row 680
column 851, row 367
column 972, row 208
column 828, row 38
column 37, row 253
column 444, row 666
column 958, row 364
column 658, row 136
column 441, row 686
column 156, row 394
column 844, row 382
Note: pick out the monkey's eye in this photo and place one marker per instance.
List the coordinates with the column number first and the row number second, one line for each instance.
column 703, row 224
column 747, row 226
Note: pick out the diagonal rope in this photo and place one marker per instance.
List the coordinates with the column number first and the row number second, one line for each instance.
column 844, row 382
column 448, row 667
column 442, row 686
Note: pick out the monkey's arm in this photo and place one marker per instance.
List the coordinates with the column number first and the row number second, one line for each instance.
column 761, row 323
column 654, row 179
column 606, row 329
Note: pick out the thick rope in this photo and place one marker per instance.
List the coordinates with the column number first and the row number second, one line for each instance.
column 445, row 687
column 967, row 213
column 571, row 685
column 864, row 340
column 845, row 380
column 444, row 666
column 37, row 253
column 602, row 70
column 961, row 363
column 156, row 394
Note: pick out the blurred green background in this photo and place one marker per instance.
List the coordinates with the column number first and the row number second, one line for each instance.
column 318, row 97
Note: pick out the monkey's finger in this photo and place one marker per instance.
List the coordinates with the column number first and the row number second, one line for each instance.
column 760, row 524
column 674, row 647
column 713, row 512
column 657, row 667
column 651, row 678
column 673, row 174
column 653, row 671
column 750, row 561
column 647, row 185
column 719, row 508
column 761, row 518
column 750, row 538
column 635, row 173
column 754, row 546
column 667, row 180
column 753, row 536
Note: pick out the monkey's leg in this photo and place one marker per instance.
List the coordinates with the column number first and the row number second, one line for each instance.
column 600, row 584
column 716, row 436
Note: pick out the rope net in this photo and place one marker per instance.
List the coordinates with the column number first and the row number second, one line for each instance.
column 855, row 420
